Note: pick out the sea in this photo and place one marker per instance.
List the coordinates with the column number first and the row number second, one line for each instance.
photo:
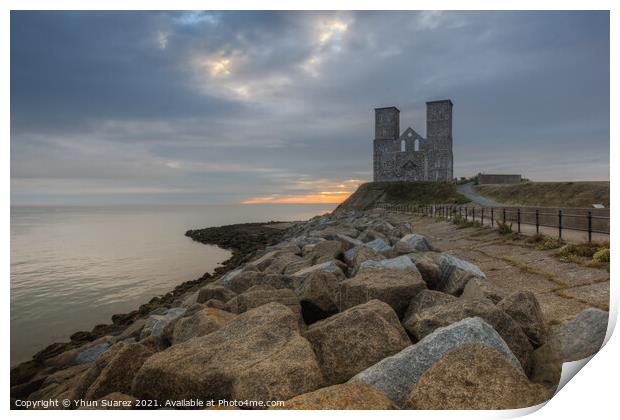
column 73, row 267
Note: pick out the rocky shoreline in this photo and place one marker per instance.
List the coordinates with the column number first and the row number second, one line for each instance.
column 352, row 310
column 241, row 239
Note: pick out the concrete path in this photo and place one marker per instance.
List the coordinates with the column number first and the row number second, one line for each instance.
column 468, row 191
column 563, row 289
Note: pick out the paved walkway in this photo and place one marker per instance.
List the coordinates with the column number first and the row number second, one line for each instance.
column 563, row 289
column 468, row 191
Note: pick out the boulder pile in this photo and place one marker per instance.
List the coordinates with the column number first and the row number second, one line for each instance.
column 352, row 310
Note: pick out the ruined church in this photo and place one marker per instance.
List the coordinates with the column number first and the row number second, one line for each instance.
column 407, row 156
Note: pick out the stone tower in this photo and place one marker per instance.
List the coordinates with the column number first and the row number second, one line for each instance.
column 387, row 123
column 407, row 156
column 439, row 136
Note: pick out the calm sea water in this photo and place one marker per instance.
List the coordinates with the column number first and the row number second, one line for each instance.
column 74, row 267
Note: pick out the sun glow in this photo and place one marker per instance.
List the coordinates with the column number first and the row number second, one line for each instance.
column 326, row 191
column 320, row 198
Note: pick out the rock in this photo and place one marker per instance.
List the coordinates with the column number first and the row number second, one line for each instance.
column 426, row 265
column 156, row 323
column 425, row 322
column 247, row 279
column 475, row 377
column 399, row 263
column 348, row 242
column 67, row 384
column 257, row 356
column 426, row 299
column 228, row 277
column 257, row 296
column 334, row 267
column 119, row 372
column 307, row 249
column 215, row 303
column 394, row 287
column 64, row 375
column 92, row 354
column 369, row 235
column 266, row 260
column 327, row 251
column 301, row 263
column 348, row 396
column 189, row 300
column 360, row 255
column 155, row 343
column 398, row 375
column 201, row 323
column 479, row 288
column 287, row 262
column 318, row 296
column 351, row 341
column 584, row 335
column 285, row 246
column 546, row 363
column 333, row 232
column 378, row 245
column 68, row 357
column 132, row 331
column 524, row 308
column 455, row 273
column 412, row 243
column 215, row 291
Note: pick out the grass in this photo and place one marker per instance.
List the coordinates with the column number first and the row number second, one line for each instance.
column 401, row 192
column 589, row 254
column 544, row 243
column 462, row 223
column 601, row 256
column 549, row 194
column 504, row 228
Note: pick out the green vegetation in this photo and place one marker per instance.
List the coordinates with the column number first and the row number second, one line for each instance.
column 549, row 194
column 461, row 223
column 419, row 192
column 590, row 254
column 504, row 228
column 601, row 256
column 409, row 193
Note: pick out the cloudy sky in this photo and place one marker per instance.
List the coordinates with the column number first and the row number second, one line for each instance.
column 230, row 107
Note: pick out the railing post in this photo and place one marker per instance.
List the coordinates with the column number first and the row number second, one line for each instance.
column 519, row 220
column 492, row 217
column 504, row 215
column 482, row 217
column 560, row 224
column 537, row 222
column 589, row 226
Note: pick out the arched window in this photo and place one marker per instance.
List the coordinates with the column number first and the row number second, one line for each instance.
column 416, row 145
column 402, row 145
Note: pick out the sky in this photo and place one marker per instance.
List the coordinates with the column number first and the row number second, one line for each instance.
column 264, row 107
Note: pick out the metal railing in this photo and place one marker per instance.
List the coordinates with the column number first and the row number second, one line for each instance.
column 585, row 220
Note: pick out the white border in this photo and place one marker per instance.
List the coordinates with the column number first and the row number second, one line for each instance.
column 593, row 394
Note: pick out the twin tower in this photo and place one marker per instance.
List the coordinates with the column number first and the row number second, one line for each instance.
column 409, row 156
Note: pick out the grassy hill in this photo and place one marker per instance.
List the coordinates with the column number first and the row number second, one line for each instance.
column 549, row 194
column 403, row 193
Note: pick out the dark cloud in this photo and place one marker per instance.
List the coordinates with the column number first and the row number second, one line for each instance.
column 222, row 106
